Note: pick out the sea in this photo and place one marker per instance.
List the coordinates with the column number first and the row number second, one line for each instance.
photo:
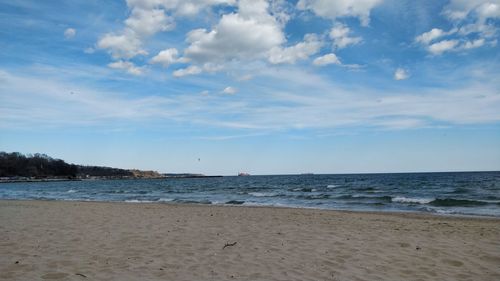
column 458, row 193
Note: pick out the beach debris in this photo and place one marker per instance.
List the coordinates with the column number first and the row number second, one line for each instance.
column 417, row 248
column 17, row 262
column 82, row 275
column 229, row 245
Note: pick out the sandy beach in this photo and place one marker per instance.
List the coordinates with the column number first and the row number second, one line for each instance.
column 49, row 240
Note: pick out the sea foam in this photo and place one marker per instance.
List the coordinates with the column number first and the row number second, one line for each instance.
column 401, row 199
column 262, row 194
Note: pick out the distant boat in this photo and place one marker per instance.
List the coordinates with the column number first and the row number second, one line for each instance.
column 242, row 174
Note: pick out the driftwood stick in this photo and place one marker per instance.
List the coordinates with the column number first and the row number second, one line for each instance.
column 229, row 245
column 82, row 275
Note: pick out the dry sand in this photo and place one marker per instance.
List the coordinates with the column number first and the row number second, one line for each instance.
column 119, row 241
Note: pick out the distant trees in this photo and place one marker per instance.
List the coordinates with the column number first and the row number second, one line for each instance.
column 95, row 171
column 38, row 165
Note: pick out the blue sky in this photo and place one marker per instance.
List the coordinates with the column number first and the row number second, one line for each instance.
column 266, row 87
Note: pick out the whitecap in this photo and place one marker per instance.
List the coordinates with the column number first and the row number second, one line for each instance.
column 401, row 199
column 138, row 201
column 332, row 186
column 262, row 194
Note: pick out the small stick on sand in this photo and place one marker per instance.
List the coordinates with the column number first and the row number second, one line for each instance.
column 82, row 275
column 229, row 245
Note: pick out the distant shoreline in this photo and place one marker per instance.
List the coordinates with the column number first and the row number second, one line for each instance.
column 37, row 180
column 101, row 178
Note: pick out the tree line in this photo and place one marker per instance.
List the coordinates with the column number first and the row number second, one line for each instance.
column 39, row 165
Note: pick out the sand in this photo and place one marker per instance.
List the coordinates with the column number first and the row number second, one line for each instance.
column 48, row 240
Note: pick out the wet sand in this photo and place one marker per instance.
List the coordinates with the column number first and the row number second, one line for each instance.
column 49, row 240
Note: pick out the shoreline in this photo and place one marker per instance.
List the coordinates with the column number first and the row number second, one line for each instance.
column 409, row 213
column 62, row 240
column 104, row 179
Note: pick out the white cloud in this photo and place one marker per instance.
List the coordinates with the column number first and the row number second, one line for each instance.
column 428, row 37
column 461, row 9
column 127, row 66
column 179, row 7
column 248, row 34
column 148, row 17
column 340, row 36
column 245, row 77
column 442, row 46
column 472, row 26
column 211, row 67
column 301, row 51
column 477, row 29
column 252, row 33
column 326, row 60
column 122, row 46
column 69, row 33
column 333, row 9
column 148, row 22
column 190, row 70
column 401, row 74
column 282, row 10
column 490, row 9
column 141, row 24
column 474, row 44
column 229, row 90
column 166, row 57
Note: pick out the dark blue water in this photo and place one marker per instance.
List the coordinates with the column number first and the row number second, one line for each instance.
column 475, row 193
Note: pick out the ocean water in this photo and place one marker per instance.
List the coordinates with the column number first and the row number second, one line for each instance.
column 470, row 193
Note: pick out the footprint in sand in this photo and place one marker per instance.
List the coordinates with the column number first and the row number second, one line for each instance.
column 490, row 259
column 453, row 262
column 54, row 275
column 404, row 245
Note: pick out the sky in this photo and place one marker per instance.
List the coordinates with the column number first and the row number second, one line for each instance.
column 264, row 87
